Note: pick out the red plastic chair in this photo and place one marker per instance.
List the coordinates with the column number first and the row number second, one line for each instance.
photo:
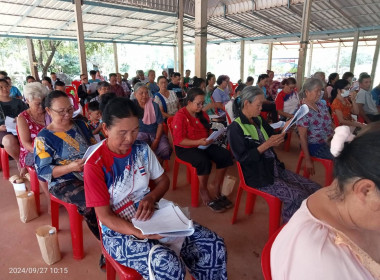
column 4, row 163
column 273, row 202
column 335, row 120
column 192, row 176
column 35, row 186
column 75, row 224
column 327, row 163
column 265, row 256
column 76, row 84
column 288, row 141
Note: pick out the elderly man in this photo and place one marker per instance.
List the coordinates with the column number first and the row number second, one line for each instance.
column 152, row 85
column 101, row 88
column 141, row 76
column 116, row 88
column 367, row 105
column 54, row 79
column 83, row 91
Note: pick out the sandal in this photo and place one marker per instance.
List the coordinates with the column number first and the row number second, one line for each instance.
column 225, row 202
column 102, row 263
column 216, row 206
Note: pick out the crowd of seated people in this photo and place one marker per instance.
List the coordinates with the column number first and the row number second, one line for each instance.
column 54, row 131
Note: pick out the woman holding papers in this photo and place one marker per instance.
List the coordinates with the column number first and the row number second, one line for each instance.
column 252, row 141
column 9, row 108
column 191, row 128
column 116, row 179
column 58, row 152
column 316, row 126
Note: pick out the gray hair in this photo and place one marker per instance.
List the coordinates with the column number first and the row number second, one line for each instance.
column 309, row 85
column 102, row 84
column 138, row 86
column 35, row 90
column 249, row 93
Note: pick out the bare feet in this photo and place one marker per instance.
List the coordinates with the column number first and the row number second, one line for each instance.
column 205, row 196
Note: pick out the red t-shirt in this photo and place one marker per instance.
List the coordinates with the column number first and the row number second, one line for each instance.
column 187, row 126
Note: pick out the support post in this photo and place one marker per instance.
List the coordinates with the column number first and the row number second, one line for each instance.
column 175, row 59
column 270, row 51
column 338, row 58
column 32, row 59
column 306, row 15
column 242, row 52
column 354, row 51
column 80, row 36
column 200, row 38
column 375, row 59
column 115, row 57
column 180, row 37
column 310, row 59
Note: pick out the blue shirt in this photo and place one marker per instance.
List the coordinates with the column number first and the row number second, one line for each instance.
column 376, row 94
column 149, row 128
column 14, row 92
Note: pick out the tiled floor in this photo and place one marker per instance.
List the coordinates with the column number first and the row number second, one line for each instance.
column 19, row 248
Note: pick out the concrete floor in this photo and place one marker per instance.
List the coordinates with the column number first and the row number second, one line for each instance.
column 245, row 239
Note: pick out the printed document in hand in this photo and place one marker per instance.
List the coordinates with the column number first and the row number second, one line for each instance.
column 92, row 149
column 213, row 136
column 169, row 221
column 301, row 112
column 277, row 124
column 10, row 124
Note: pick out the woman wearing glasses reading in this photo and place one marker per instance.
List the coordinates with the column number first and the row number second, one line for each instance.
column 58, row 152
column 191, row 127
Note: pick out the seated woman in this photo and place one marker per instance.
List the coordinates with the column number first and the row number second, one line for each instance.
column 252, row 141
column 150, row 121
column 343, row 104
column 9, row 107
column 29, row 123
column 117, row 175
column 315, row 127
column 58, row 152
column 209, row 106
column 336, row 232
column 287, row 100
column 166, row 99
column 191, row 127
column 268, row 104
column 220, row 95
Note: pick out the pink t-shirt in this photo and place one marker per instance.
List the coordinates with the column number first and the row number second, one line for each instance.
column 307, row 248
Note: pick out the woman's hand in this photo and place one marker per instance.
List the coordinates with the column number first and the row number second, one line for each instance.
column 310, row 166
column 275, row 140
column 77, row 165
column 154, row 144
column 3, row 127
column 146, row 209
column 205, row 142
column 139, row 235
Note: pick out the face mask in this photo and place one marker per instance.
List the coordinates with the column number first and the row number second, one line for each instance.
column 322, row 94
column 345, row 93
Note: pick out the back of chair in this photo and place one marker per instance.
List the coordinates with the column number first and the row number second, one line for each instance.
column 336, row 120
column 265, row 255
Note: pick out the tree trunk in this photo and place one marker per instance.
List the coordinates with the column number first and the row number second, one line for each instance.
column 33, row 59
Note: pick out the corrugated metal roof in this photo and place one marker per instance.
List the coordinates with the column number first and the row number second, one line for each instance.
column 146, row 21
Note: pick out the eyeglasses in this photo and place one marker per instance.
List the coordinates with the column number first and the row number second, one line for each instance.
column 64, row 111
column 200, row 104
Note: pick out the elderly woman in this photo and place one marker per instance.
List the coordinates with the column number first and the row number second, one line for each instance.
column 150, row 120
column 315, row 127
column 117, row 177
column 209, row 106
column 9, row 107
column 220, row 94
column 343, row 104
column 191, row 129
column 336, row 232
column 166, row 99
column 58, row 152
column 29, row 123
column 287, row 100
column 252, row 141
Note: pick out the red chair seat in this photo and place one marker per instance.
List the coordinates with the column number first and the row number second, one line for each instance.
column 75, row 224
column 35, row 186
column 4, row 163
column 273, row 202
column 327, row 163
column 192, row 176
column 265, row 256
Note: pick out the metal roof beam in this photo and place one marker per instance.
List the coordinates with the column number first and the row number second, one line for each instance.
column 212, row 34
column 225, row 30
column 294, row 11
column 147, row 35
column 343, row 13
column 28, row 11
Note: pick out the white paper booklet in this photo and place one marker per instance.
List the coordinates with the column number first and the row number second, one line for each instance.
column 169, row 221
column 301, row 112
column 92, row 149
column 10, row 124
column 277, row 124
column 213, row 136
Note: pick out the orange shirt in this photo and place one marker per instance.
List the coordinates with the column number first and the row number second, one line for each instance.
column 344, row 107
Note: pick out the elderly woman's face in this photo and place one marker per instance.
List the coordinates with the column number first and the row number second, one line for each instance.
column 142, row 95
column 254, row 108
column 122, row 134
column 36, row 105
column 61, row 110
column 313, row 95
column 163, row 84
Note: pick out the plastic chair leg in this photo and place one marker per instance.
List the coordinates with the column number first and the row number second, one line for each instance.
column 111, row 272
column 35, row 187
column 76, row 232
column 175, row 174
column 329, row 173
column 188, row 174
column 250, row 203
column 274, row 216
column 194, row 188
column 237, row 203
column 5, row 163
column 54, row 214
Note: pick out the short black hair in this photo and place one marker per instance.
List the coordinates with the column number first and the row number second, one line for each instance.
column 59, row 83
column 104, row 99
column 161, row 77
column 92, row 72
column 240, row 87
column 363, row 76
column 176, row 74
column 53, row 95
column 347, row 75
column 4, row 73
column 221, row 79
column 250, row 79
column 4, row 81
column 118, row 108
column 93, row 106
column 8, row 78
column 47, row 79
column 52, row 73
column 29, row 77
column 198, row 81
column 112, row 75
column 262, row 77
